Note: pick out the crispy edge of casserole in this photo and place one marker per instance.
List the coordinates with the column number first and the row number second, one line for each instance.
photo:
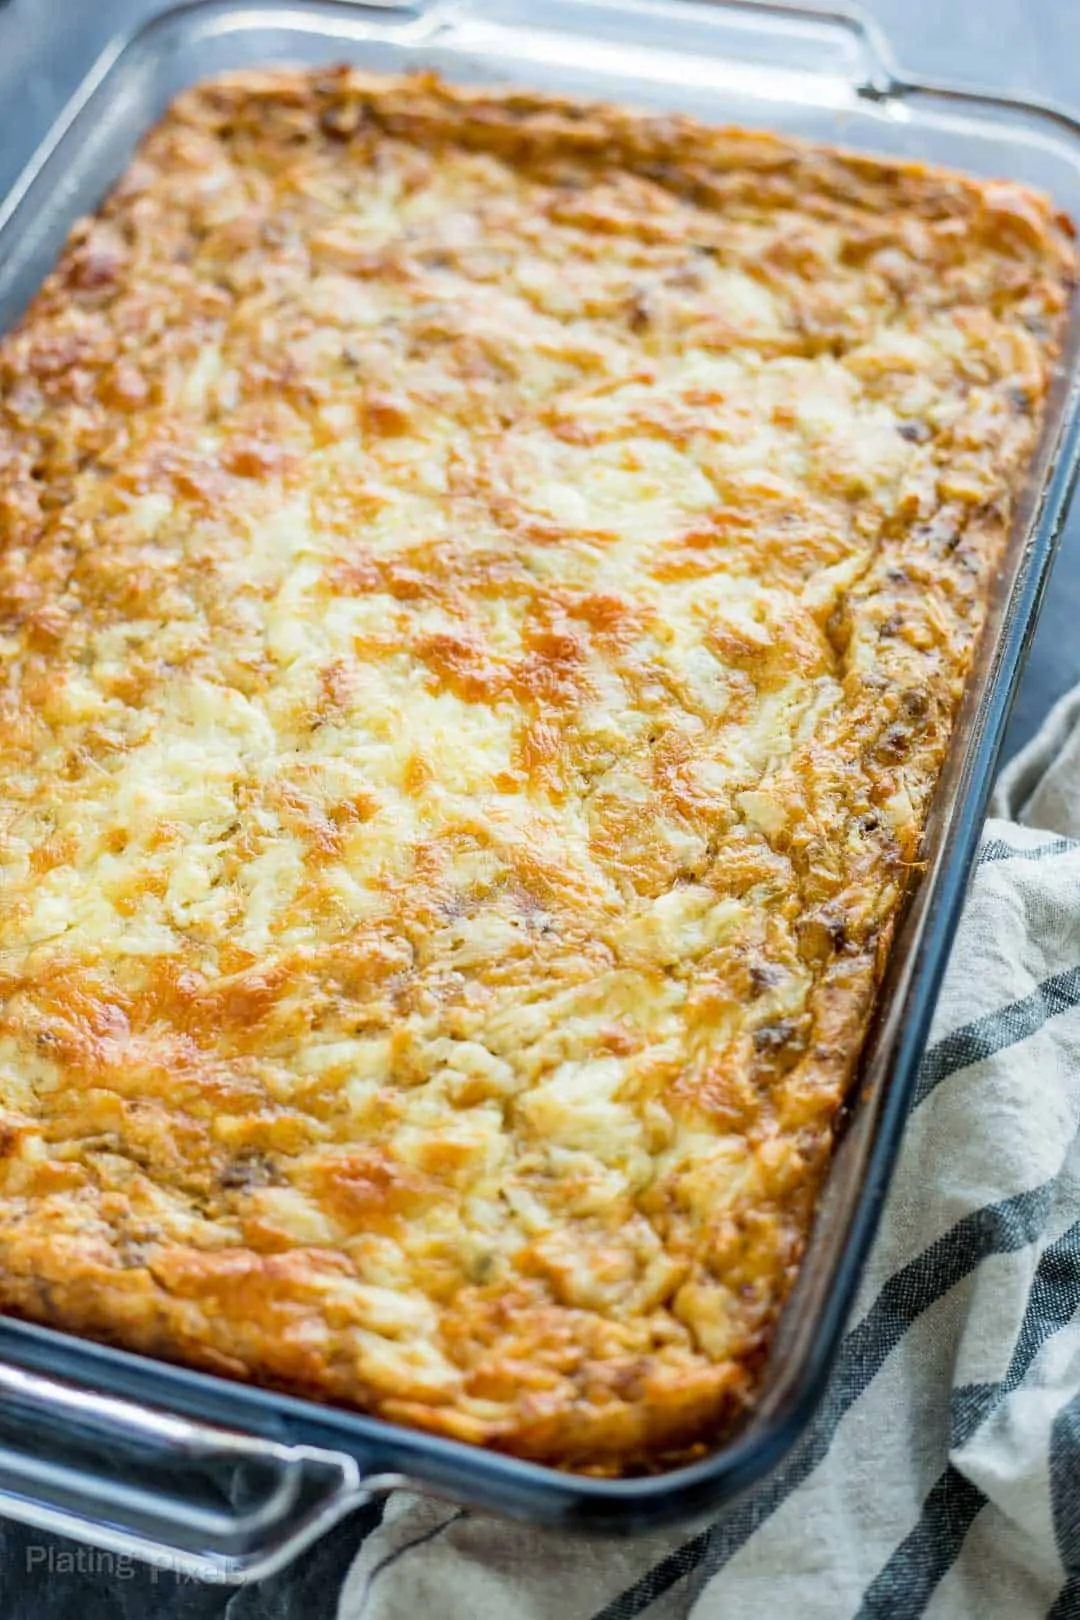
column 486, row 583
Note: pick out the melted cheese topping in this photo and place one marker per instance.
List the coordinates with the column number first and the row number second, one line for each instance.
column 485, row 588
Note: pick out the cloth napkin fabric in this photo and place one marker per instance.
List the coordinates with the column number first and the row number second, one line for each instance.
column 941, row 1476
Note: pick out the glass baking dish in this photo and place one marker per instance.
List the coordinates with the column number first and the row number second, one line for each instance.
column 229, row 1481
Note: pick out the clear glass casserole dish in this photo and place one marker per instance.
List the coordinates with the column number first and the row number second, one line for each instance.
column 232, row 1481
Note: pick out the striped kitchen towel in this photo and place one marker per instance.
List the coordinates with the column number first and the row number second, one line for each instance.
column 941, row 1476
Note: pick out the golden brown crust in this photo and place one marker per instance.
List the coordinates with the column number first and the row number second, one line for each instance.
column 485, row 586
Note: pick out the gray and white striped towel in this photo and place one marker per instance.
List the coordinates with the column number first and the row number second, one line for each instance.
column 942, row 1474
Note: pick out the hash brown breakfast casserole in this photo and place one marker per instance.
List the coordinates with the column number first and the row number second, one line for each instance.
column 485, row 585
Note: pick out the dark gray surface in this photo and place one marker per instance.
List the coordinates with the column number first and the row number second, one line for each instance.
column 1025, row 47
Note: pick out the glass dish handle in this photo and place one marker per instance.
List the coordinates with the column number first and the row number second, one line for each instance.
column 204, row 1502
column 734, row 37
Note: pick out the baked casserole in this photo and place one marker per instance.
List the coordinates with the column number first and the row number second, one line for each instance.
column 486, row 583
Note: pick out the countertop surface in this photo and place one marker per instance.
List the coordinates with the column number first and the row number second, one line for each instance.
column 1023, row 47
